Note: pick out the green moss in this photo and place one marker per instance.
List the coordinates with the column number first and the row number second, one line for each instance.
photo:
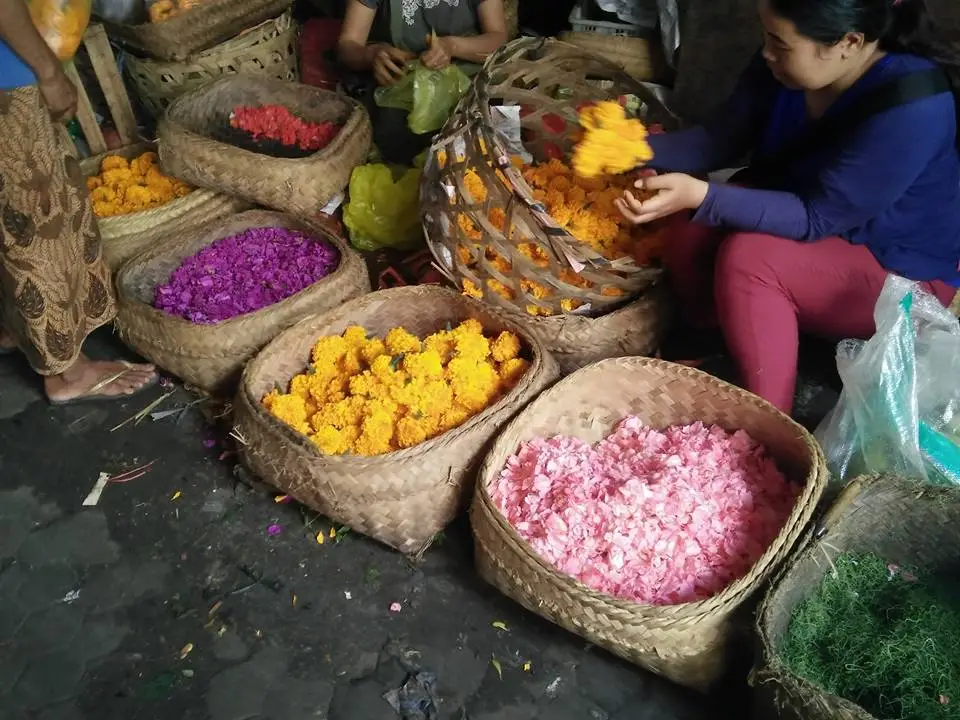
column 881, row 639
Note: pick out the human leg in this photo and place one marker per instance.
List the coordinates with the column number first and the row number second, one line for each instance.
column 769, row 289
column 689, row 255
column 54, row 288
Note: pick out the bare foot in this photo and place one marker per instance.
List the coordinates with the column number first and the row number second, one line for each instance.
column 89, row 379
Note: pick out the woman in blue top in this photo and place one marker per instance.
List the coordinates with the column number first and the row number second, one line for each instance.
column 845, row 188
column 54, row 287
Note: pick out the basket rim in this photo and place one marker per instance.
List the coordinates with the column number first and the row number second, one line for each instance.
column 349, row 126
column 214, row 230
column 700, row 608
column 541, row 361
column 271, row 30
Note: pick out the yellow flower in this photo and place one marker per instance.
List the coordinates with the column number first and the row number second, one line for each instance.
column 292, row 410
column 470, row 289
column 612, row 143
column 423, row 365
column 441, row 343
column 410, row 432
column 400, row 341
column 373, row 349
column 474, row 383
column 328, row 350
column 505, row 347
column 331, row 441
column 512, row 370
column 355, row 337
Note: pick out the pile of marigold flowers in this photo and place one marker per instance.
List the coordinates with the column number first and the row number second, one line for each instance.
column 368, row 396
column 583, row 206
column 612, row 143
column 125, row 187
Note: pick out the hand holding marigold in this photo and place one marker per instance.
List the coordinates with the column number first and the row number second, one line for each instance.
column 612, row 143
column 675, row 192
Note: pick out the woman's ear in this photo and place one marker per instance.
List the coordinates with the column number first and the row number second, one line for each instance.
column 851, row 43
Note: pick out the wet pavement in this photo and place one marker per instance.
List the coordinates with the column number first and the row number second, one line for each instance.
column 189, row 593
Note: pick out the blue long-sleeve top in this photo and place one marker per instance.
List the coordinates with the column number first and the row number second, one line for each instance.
column 893, row 185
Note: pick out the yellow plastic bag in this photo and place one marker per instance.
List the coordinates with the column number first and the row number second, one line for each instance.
column 384, row 210
column 62, row 23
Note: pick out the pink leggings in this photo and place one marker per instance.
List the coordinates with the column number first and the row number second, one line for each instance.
column 763, row 291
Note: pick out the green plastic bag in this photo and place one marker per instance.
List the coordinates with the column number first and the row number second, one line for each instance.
column 384, row 209
column 429, row 96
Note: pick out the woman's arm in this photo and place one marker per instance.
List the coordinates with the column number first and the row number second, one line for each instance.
column 730, row 133
column 874, row 170
column 475, row 48
column 17, row 31
column 386, row 61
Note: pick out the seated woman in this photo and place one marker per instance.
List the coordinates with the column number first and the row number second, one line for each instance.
column 380, row 36
column 852, row 179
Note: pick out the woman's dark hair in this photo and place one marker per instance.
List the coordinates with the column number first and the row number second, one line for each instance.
column 900, row 26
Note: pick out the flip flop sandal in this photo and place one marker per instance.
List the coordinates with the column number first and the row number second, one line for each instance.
column 91, row 396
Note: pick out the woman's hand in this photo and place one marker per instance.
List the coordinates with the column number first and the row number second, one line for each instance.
column 675, row 192
column 439, row 53
column 388, row 64
column 59, row 95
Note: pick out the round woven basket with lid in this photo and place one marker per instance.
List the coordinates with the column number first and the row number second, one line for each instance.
column 211, row 357
column 892, row 517
column 687, row 643
column 199, row 28
column 483, row 221
column 301, row 186
column 268, row 50
column 404, row 498
column 125, row 236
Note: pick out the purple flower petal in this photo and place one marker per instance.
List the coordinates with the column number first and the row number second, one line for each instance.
column 244, row 273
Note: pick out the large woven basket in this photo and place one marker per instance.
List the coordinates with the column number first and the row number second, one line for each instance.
column 211, row 357
column 270, row 50
column 403, row 499
column 577, row 340
column 299, row 186
column 686, row 643
column 471, row 237
column 200, row 28
column 889, row 516
column 125, row 236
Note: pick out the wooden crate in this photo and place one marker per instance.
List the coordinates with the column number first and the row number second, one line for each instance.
column 114, row 92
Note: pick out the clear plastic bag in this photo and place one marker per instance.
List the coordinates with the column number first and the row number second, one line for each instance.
column 428, row 95
column 899, row 411
column 62, row 23
column 384, row 209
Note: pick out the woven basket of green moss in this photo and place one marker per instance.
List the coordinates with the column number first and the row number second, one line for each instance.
column 865, row 622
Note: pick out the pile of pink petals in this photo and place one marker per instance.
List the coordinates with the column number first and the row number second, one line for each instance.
column 656, row 516
column 244, row 273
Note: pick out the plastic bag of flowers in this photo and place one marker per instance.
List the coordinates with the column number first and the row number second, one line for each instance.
column 863, row 622
column 638, row 504
column 376, row 413
column 199, row 142
column 137, row 203
column 202, row 303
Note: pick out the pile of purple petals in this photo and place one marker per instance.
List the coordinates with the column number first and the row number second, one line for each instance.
column 244, row 273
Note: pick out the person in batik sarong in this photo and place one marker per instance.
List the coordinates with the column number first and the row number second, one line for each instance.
column 54, row 288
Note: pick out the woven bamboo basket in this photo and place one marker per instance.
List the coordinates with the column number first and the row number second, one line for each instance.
column 639, row 58
column 298, row 186
column 487, row 244
column 686, row 643
column 125, row 236
column 576, row 340
column 270, row 50
column 211, row 357
column 403, row 499
column 892, row 517
column 199, row 28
